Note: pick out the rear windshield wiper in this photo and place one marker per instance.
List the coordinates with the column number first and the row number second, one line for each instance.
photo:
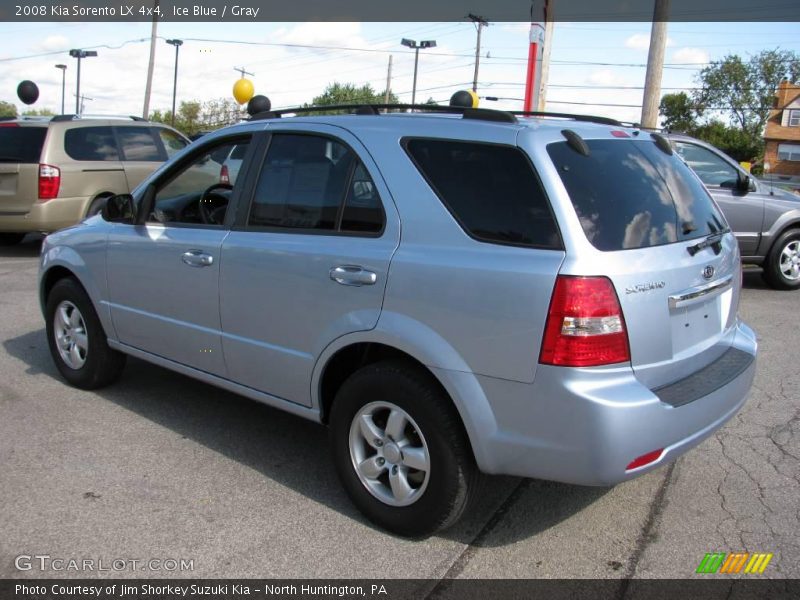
column 714, row 241
column 10, row 159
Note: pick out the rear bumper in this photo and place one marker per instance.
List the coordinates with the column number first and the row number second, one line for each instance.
column 584, row 426
column 47, row 216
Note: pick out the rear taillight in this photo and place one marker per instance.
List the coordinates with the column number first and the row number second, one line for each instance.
column 585, row 326
column 49, row 181
column 224, row 177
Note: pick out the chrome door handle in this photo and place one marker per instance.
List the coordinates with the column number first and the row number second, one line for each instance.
column 197, row 258
column 353, row 275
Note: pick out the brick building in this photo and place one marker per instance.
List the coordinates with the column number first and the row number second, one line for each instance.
column 782, row 134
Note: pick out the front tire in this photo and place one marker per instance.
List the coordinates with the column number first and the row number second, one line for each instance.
column 400, row 449
column 782, row 268
column 76, row 338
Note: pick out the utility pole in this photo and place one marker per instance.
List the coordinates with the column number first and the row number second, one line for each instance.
column 544, row 73
column 655, row 64
column 148, row 87
column 243, row 72
column 388, row 82
column 480, row 23
column 80, row 101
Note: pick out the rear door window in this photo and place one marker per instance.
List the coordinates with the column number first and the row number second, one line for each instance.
column 21, row 144
column 91, row 143
column 629, row 194
column 315, row 183
column 138, row 144
column 491, row 190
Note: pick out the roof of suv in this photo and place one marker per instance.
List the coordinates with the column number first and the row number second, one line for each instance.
column 47, row 121
column 472, row 120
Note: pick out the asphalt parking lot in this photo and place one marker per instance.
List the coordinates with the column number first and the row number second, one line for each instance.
column 160, row 466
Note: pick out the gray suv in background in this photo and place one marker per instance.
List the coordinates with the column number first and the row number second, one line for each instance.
column 764, row 217
column 450, row 293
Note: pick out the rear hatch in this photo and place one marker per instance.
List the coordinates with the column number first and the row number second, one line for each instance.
column 655, row 232
column 20, row 149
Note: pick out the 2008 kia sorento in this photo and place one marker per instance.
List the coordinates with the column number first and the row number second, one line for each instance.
column 450, row 292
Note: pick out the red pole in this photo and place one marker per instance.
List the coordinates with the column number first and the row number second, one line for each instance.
column 530, row 81
column 534, row 56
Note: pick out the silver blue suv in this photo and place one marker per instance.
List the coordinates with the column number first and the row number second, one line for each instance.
column 450, row 293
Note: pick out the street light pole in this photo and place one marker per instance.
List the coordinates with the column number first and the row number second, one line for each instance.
column 177, row 43
column 417, row 47
column 80, row 54
column 63, row 84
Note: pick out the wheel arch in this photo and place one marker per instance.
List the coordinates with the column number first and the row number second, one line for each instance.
column 787, row 221
column 351, row 352
column 92, row 200
column 60, row 261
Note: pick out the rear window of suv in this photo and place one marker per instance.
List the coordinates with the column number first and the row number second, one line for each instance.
column 21, row 144
column 630, row 194
column 491, row 190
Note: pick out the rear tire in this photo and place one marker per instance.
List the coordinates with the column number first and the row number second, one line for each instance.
column 76, row 338
column 417, row 474
column 11, row 239
column 782, row 267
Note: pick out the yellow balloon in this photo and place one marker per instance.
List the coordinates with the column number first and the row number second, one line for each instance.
column 243, row 90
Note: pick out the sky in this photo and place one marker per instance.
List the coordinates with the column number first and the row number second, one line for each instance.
column 596, row 68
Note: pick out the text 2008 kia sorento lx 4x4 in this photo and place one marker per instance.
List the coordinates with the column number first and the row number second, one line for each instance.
column 450, row 293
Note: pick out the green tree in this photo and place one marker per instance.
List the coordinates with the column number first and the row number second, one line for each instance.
column 732, row 140
column 221, row 112
column 38, row 112
column 7, row 109
column 679, row 111
column 745, row 90
column 349, row 93
column 188, row 117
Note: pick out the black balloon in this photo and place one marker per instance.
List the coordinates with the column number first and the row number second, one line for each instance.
column 28, row 92
column 258, row 104
column 462, row 98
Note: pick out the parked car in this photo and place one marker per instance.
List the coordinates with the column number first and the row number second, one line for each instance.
column 56, row 171
column 764, row 216
column 561, row 304
column 232, row 164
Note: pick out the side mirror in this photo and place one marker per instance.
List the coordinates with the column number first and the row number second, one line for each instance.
column 119, row 209
column 744, row 183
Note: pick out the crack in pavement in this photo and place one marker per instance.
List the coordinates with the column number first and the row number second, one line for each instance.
column 648, row 531
column 461, row 562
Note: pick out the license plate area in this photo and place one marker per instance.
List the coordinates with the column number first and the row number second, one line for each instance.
column 700, row 322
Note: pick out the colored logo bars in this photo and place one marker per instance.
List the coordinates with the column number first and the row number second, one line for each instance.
column 720, row 562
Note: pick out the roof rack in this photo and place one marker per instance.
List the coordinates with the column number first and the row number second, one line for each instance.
column 481, row 114
column 25, row 118
column 558, row 115
column 73, row 117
